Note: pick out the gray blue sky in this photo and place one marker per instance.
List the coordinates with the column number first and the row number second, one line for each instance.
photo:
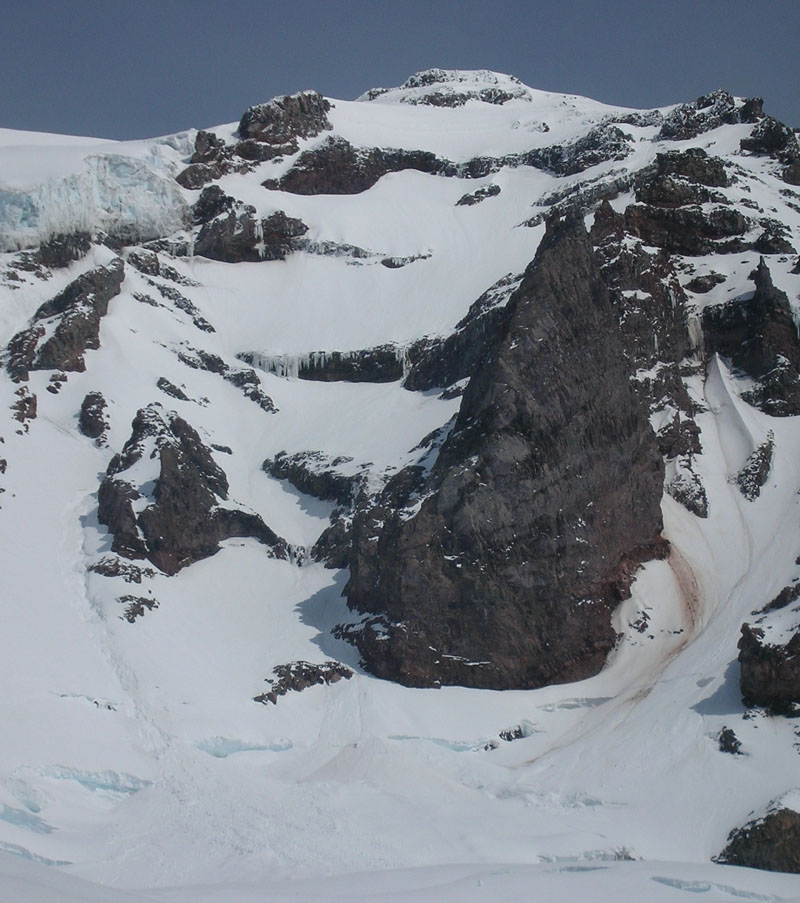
column 137, row 69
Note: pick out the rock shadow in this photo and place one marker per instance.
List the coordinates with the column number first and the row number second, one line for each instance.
column 727, row 698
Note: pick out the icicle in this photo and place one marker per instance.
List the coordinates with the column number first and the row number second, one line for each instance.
column 401, row 353
column 695, row 331
column 259, row 236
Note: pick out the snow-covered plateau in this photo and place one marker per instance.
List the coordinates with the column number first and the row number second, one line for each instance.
column 384, row 487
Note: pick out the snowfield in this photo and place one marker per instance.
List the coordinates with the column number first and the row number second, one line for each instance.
column 135, row 764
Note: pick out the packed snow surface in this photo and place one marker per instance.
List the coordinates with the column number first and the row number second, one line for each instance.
column 134, row 763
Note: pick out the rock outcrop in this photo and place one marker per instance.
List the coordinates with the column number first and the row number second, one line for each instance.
column 480, row 194
column 771, row 843
column 149, row 264
column 313, row 473
column 601, row 144
column 772, row 138
column 688, row 120
column 70, row 322
column 682, row 178
column 689, row 230
column 452, row 88
column 285, row 119
column 439, row 362
column 211, row 160
column 653, row 323
column 240, row 235
column 337, row 167
column 162, row 497
column 244, row 379
column 501, row 565
column 769, row 674
column 212, row 203
column 62, row 249
column 267, row 131
column 755, row 472
column 92, row 421
column 299, row 676
column 759, row 337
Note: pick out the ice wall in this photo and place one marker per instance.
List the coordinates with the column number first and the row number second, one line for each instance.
column 128, row 196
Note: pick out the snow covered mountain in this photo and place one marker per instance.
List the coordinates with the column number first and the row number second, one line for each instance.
column 385, row 487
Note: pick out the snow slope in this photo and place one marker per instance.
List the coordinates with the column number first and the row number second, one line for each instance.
column 134, row 761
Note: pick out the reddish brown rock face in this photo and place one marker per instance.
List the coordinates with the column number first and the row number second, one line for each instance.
column 543, row 500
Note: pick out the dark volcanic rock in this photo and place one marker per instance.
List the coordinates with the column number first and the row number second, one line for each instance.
column 299, row 676
column 679, row 178
column 501, row 567
column 111, row 566
column 646, row 291
column 480, row 194
column 372, row 365
column 213, row 158
column 695, row 165
column 708, row 112
column 583, row 198
column 337, row 167
column 62, row 249
column 212, row 202
column 785, row 597
column 599, row 145
column 208, row 148
column 688, row 230
column 771, row 843
column 148, row 263
column 729, row 742
column 284, row 119
column 758, row 335
column 314, row 474
column 700, row 285
column 672, row 191
column 196, row 175
column 210, row 160
column 756, row 469
column 171, row 389
column 687, row 489
column 242, row 236
column 772, row 138
column 449, row 90
column 250, row 384
column 774, row 240
column 246, row 380
column 770, row 675
column 333, row 546
column 92, row 420
column 73, row 320
column 179, row 520
column 25, row 407
column 653, row 325
column 136, row 606
column 183, row 303
column 440, row 362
